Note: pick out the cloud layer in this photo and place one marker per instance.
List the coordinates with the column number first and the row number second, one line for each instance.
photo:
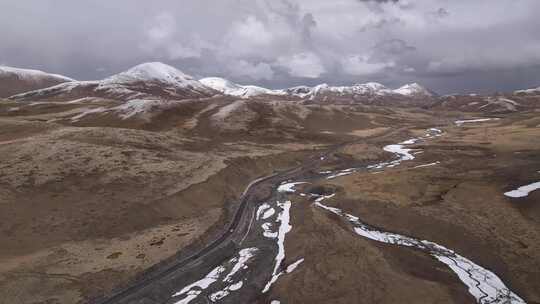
column 450, row 46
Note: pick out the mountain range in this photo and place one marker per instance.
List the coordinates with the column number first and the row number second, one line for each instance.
column 155, row 80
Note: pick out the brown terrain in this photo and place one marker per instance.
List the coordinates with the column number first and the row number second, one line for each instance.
column 95, row 189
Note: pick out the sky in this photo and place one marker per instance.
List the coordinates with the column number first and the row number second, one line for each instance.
column 449, row 46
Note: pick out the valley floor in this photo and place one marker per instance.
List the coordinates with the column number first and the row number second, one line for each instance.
column 86, row 208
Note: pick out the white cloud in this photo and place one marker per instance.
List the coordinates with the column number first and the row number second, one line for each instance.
column 255, row 71
column 163, row 38
column 249, row 36
column 360, row 66
column 306, row 65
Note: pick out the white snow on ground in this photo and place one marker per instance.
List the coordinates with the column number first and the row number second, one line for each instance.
column 323, row 197
column 130, row 108
column 275, row 302
column 191, row 290
column 134, row 107
column 409, row 141
column 505, row 103
column 523, row 191
column 268, row 213
column 288, row 187
column 88, row 112
column 262, row 208
column 245, row 255
column 267, row 231
column 460, row 122
column 227, row 110
column 398, row 149
column 427, row 165
column 342, row 173
column 284, row 228
column 484, row 285
column 294, row 265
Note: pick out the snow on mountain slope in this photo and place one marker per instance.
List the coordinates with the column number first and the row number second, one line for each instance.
column 533, row 91
column 372, row 89
column 147, row 81
column 413, row 89
column 228, row 87
column 14, row 80
column 224, row 86
column 154, row 72
column 252, row 90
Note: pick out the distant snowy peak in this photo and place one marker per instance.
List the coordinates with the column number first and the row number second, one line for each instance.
column 31, row 75
column 15, row 80
column 147, row 80
column 224, row 86
column 533, row 91
column 372, row 89
column 363, row 89
column 413, row 89
column 153, row 72
column 228, row 87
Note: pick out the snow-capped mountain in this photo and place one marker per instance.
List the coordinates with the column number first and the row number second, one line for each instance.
column 228, row 87
column 147, row 80
column 413, row 89
column 14, row 80
column 533, row 91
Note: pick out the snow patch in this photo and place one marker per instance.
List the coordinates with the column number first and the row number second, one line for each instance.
column 523, row 191
column 191, row 290
column 284, row 228
column 484, row 285
column 288, row 187
column 461, row 122
column 427, row 165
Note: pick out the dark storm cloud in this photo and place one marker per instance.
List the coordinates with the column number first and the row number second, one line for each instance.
column 449, row 45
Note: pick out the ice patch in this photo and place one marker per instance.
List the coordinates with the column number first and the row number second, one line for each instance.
column 284, row 228
column 288, row 187
column 216, row 296
column 427, row 165
column 268, row 213
column 191, row 290
column 267, row 232
column 484, row 285
column 245, row 255
column 88, row 112
column 404, row 153
column 461, row 122
column 262, row 208
column 523, row 191
column 294, row 265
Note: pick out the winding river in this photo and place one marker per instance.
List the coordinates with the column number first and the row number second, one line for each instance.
column 262, row 248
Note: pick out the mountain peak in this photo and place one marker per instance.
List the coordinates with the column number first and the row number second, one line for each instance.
column 28, row 74
column 412, row 89
column 228, row 87
column 154, row 72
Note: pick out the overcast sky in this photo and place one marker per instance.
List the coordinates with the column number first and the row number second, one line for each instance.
column 447, row 45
